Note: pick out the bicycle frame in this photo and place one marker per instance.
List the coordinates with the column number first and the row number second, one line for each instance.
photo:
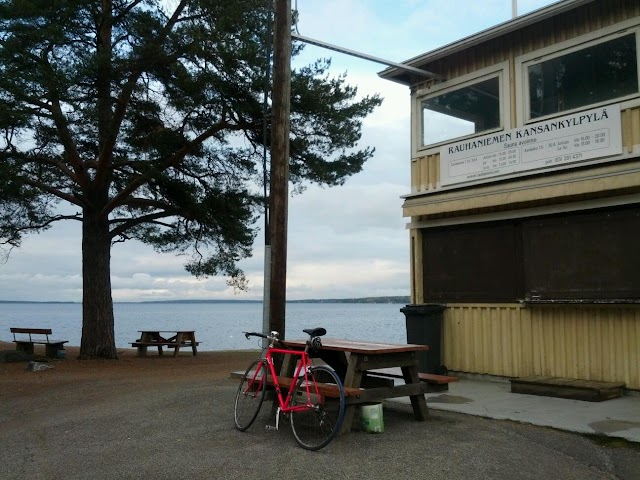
column 284, row 403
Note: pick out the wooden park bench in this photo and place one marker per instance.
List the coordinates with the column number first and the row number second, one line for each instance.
column 27, row 337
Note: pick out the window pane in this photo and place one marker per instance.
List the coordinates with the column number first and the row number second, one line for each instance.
column 473, row 263
column 467, row 110
column 584, row 255
column 594, row 74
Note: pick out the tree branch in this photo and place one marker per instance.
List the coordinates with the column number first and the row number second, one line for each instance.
column 53, row 191
column 22, row 96
column 44, row 224
column 124, row 98
column 125, row 11
column 171, row 161
column 67, row 141
column 130, row 223
column 37, row 159
column 144, row 202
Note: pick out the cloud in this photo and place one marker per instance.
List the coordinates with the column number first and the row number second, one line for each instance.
column 347, row 279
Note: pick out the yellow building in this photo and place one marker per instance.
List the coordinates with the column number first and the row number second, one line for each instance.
column 524, row 209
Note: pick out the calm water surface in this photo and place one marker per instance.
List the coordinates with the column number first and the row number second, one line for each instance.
column 218, row 326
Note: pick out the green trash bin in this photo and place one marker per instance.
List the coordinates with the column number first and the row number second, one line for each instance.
column 424, row 327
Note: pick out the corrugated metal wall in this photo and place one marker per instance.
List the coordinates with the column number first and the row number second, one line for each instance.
column 487, row 339
column 586, row 341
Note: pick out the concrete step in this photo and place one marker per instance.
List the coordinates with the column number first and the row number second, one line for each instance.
column 572, row 388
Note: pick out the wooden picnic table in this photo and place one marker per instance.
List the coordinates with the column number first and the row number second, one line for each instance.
column 159, row 339
column 352, row 359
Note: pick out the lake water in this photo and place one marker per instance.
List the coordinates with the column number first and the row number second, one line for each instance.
column 218, row 326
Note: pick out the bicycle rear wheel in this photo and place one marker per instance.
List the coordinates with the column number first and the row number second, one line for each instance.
column 250, row 395
column 316, row 426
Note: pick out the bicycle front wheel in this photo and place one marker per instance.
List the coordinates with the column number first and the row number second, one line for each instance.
column 250, row 395
column 317, row 425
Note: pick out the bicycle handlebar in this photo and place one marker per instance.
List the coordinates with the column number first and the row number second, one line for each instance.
column 256, row 334
column 314, row 343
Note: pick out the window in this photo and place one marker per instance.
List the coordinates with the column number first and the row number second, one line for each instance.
column 459, row 112
column 593, row 74
column 576, row 256
column 585, row 255
column 473, row 263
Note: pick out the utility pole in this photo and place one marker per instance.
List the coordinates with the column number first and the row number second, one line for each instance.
column 280, row 128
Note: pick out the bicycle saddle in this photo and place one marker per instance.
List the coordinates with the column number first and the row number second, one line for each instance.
column 315, row 332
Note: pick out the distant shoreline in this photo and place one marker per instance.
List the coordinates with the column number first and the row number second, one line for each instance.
column 400, row 299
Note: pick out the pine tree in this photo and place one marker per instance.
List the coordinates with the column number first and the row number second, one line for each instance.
column 146, row 117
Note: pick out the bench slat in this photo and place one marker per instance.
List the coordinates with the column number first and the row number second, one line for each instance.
column 323, row 388
column 425, row 377
column 168, row 344
column 439, row 379
column 35, row 331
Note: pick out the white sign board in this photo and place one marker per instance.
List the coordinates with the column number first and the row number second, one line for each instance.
column 558, row 143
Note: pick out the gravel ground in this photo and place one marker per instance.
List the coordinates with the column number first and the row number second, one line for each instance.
column 165, row 417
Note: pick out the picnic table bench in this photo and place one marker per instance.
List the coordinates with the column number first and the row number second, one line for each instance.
column 27, row 337
column 159, row 339
column 436, row 383
column 324, row 389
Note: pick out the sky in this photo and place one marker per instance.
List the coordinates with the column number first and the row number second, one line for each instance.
column 343, row 242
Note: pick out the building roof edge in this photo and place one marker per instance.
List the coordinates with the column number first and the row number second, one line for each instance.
column 394, row 73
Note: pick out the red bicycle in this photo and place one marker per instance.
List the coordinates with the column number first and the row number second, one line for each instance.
column 315, row 399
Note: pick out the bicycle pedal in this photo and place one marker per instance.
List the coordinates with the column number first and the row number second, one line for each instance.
column 271, row 427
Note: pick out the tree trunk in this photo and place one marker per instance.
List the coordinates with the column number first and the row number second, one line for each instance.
column 98, row 339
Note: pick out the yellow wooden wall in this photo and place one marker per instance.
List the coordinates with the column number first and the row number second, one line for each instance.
column 583, row 341
column 631, row 129
column 425, row 170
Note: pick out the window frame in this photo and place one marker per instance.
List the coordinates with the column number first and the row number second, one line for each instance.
column 500, row 71
column 523, row 62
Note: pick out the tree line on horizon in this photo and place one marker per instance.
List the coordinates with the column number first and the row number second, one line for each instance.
column 392, row 299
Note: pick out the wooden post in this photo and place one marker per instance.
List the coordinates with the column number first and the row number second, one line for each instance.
column 278, row 201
